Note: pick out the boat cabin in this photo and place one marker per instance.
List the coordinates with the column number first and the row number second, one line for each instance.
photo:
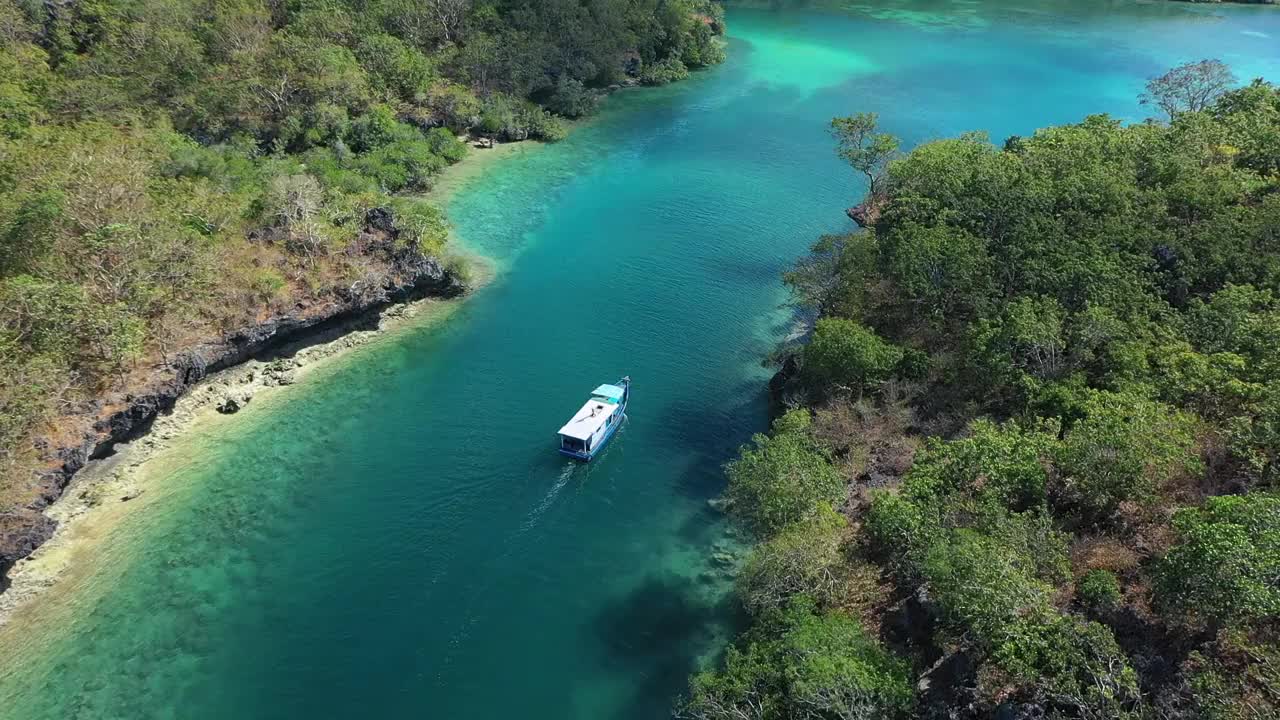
column 594, row 423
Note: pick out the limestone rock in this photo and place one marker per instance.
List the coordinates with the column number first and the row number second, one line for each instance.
column 409, row 275
column 229, row 405
column 21, row 532
column 867, row 212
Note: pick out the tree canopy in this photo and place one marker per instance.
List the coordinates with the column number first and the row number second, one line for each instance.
column 172, row 170
column 1190, row 87
column 1045, row 374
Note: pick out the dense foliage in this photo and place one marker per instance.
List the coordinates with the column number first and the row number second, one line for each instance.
column 1046, row 377
column 172, row 169
column 802, row 660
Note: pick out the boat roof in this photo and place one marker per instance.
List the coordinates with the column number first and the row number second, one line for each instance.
column 609, row 392
column 588, row 419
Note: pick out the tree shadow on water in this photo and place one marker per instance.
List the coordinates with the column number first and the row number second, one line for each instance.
column 655, row 635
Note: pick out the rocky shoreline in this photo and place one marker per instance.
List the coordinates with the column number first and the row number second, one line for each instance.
column 263, row 354
column 114, row 478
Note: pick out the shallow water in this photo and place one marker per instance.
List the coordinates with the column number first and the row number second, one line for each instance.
column 397, row 538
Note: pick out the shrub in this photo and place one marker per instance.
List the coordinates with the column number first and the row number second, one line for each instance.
column 460, row 268
column 844, row 353
column 266, row 283
column 1226, row 560
column 1098, row 590
column 804, row 558
column 30, row 386
column 1126, row 448
column 1071, row 663
column 800, row 663
column 664, row 72
column 570, row 99
column 783, row 478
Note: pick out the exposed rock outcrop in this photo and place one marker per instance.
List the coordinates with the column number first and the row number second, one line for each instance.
column 866, row 213
column 782, row 382
column 21, row 532
column 229, row 406
column 409, row 275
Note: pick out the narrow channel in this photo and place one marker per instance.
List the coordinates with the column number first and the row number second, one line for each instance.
column 402, row 539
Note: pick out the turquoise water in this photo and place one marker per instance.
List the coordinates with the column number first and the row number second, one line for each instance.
column 397, row 538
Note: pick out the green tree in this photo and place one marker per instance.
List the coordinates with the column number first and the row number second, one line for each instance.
column 664, row 72
column 397, row 70
column 945, row 270
column 1255, row 437
column 1226, row 561
column 843, row 353
column 782, row 478
column 1125, row 449
column 1000, row 468
column 900, row 531
column 571, row 99
column 830, row 279
column 1237, row 677
column 800, row 663
column 1073, row 664
column 980, row 586
column 866, row 150
column 1030, row 337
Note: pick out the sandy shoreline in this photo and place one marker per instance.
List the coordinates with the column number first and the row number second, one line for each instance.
column 477, row 160
column 108, row 491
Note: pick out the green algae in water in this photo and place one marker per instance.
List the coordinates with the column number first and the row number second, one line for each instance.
column 401, row 539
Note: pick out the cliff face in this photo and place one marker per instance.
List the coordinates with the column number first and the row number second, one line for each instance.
column 404, row 274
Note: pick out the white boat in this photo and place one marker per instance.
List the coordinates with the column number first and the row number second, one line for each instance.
column 595, row 423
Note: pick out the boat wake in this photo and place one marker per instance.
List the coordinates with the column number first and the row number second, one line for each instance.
column 548, row 500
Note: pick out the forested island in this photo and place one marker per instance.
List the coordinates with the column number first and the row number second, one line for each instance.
column 1028, row 466
column 183, row 181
